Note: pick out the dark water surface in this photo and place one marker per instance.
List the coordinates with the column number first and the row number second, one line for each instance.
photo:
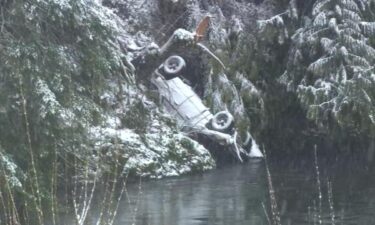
column 236, row 195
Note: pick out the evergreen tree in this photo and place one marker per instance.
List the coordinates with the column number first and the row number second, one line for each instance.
column 331, row 65
column 56, row 60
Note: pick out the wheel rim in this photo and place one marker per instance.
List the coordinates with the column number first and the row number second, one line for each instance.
column 174, row 64
column 222, row 121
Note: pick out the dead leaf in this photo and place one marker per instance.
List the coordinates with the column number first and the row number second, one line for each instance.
column 202, row 28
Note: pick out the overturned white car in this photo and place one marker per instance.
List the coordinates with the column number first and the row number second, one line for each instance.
column 192, row 116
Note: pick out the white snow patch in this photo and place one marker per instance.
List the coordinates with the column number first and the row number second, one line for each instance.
column 10, row 170
column 255, row 151
column 49, row 102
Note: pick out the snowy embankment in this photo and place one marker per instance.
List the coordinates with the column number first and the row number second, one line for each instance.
column 147, row 141
column 156, row 155
column 161, row 152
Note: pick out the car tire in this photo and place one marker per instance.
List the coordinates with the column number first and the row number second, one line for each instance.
column 222, row 121
column 247, row 139
column 247, row 143
column 173, row 66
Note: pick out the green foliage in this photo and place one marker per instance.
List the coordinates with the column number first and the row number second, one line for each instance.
column 137, row 117
column 188, row 145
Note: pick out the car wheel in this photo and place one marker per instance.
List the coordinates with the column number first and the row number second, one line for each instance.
column 247, row 143
column 247, row 139
column 173, row 66
column 222, row 121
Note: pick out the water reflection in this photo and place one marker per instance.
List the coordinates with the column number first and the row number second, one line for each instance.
column 353, row 192
column 224, row 196
column 235, row 195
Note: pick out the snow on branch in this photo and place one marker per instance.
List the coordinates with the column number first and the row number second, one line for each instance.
column 327, row 44
column 276, row 21
column 368, row 28
column 318, row 7
column 180, row 35
column 359, row 47
column 350, row 4
column 322, row 65
column 320, row 20
column 351, row 15
column 357, row 60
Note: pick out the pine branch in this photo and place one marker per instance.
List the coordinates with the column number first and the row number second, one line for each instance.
column 322, row 66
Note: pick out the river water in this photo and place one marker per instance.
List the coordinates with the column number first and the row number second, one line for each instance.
column 240, row 195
